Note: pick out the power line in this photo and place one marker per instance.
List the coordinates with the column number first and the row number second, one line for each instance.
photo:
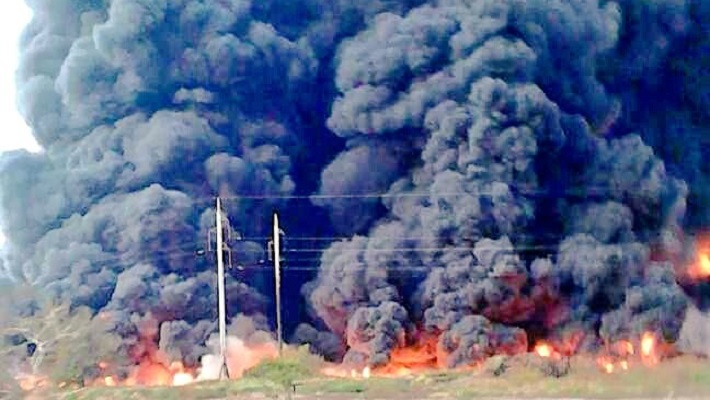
column 341, row 196
column 585, row 191
column 390, row 238
column 178, row 252
column 384, row 195
column 413, row 249
column 290, row 264
column 173, row 252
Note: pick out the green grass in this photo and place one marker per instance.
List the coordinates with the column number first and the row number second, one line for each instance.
column 334, row 386
column 202, row 391
column 283, row 372
column 681, row 377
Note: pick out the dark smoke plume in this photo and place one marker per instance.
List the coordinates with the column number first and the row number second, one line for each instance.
column 509, row 150
column 498, row 171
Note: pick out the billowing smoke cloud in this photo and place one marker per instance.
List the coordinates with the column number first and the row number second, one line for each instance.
column 500, row 170
column 659, row 71
column 474, row 338
column 146, row 111
column 510, row 170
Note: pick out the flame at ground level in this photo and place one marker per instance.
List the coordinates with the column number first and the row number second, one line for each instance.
column 544, row 349
column 618, row 354
column 406, row 361
column 649, row 349
column 147, row 373
column 151, row 369
column 158, row 375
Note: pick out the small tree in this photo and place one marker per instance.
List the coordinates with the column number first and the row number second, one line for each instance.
column 63, row 343
column 13, row 299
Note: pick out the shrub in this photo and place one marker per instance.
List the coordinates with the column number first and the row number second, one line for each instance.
column 556, row 368
column 285, row 371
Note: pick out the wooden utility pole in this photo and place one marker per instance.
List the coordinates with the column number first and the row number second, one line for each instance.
column 277, row 276
column 222, row 307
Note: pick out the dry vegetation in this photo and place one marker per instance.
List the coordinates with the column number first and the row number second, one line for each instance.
column 524, row 377
column 56, row 342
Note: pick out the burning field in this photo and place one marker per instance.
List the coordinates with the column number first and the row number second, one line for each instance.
column 524, row 376
column 457, row 180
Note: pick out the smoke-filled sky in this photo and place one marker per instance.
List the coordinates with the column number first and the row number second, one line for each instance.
column 486, row 171
column 13, row 20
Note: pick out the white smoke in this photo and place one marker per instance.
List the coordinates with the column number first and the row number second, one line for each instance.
column 240, row 358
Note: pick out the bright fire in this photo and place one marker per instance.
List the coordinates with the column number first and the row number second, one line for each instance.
column 151, row 369
column 621, row 352
column 147, row 374
column 404, row 361
column 408, row 361
column 649, row 354
column 151, row 374
column 544, row 350
column 700, row 269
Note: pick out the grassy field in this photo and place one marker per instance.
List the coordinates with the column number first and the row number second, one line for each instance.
column 685, row 377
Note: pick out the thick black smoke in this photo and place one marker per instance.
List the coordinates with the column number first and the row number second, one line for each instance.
column 517, row 210
column 501, row 170
column 659, row 71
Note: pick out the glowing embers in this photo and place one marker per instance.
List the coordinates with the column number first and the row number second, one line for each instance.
column 620, row 355
column 700, row 268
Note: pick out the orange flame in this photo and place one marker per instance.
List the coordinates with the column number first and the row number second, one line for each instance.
column 624, row 348
column 649, row 353
column 152, row 368
column 404, row 361
column 149, row 374
column 648, row 342
column 620, row 352
column 700, row 269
